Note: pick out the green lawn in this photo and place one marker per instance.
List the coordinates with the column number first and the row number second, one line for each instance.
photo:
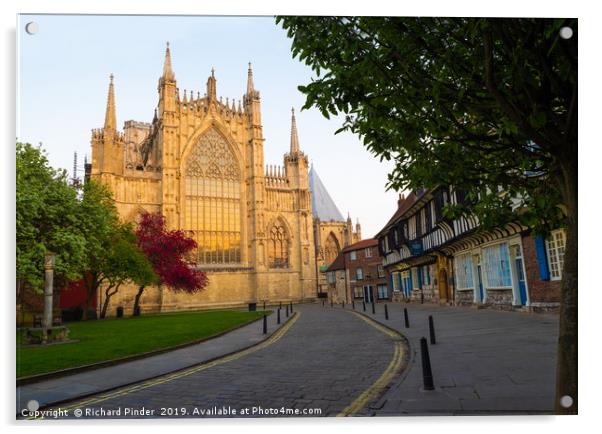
column 115, row 338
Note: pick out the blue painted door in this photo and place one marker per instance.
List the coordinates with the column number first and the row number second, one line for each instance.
column 520, row 277
column 480, row 294
column 368, row 294
column 407, row 283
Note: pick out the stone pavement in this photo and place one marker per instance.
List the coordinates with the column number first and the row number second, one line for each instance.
column 484, row 361
column 320, row 365
column 85, row 383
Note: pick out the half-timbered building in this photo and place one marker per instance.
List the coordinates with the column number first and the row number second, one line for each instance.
column 434, row 258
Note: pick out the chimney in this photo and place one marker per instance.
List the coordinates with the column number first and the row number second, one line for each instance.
column 400, row 200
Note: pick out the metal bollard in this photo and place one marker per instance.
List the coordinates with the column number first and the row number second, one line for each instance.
column 386, row 312
column 353, row 304
column 405, row 317
column 364, row 304
column 322, row 303
column 343, row 305
column 287, row 310
column 432, row 330
column 291, row 307
column 280, row 305
column 427, row 372
column 373, row 308
column 278, row 322
column 264, row 305
column 265, row 324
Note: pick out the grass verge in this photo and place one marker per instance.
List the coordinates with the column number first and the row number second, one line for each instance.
column 110, row 339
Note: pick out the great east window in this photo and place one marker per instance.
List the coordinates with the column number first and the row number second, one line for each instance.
column 212, row 206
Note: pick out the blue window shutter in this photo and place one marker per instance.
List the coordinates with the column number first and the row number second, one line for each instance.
column 391, row 281
column 428, row 274
column 542, row 259
column 400, row 281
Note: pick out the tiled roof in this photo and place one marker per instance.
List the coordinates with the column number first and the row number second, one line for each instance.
column 338, row 263
column 323, row 207
column 370, row 242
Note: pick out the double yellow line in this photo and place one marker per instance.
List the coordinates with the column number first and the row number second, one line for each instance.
column 189, row 371
column 379, row 386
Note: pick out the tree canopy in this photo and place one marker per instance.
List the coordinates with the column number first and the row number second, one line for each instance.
column 47, row 220
column 481, row 104
column 486, row 105
column 166, row 250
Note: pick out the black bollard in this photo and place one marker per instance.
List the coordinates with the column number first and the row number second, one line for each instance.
column 364, row 304
column 353, row 304
column 280, row 305
column 291, row 307
column 427, row 372
column 278, row 316
column 322, row 303
column 331, row 303
column 264, row 305
column 287, row 310
column 265, row 324
column 343, row 304
column 405, row 317
column 432, row 330
column 373, row 308
column 386, row 312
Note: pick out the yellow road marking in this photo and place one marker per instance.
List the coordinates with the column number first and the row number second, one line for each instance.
column 186, row 372
column 378, row 387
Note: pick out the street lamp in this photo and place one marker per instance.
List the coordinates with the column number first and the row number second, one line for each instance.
column 49, row 260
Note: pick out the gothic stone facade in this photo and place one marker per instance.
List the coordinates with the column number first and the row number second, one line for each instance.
column 200, row 163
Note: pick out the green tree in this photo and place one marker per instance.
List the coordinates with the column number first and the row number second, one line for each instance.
column 485, row 105
column 47, row 219
column 99, row 221
column 125, row 263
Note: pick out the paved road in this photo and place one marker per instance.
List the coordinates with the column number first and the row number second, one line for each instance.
column 330, row 360
column 323, row 363
column 484, row 361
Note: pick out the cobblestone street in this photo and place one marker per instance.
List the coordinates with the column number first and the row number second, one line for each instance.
column 325, row 360
column 328, row 361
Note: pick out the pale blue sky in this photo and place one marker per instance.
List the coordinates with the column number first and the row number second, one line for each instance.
column 63, row 78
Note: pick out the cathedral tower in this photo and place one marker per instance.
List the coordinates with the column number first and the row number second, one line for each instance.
column 107, row 142
column 200, row 162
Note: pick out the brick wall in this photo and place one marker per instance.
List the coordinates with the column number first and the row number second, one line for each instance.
column 369, row 265
column 540, row 291
column 465, row 297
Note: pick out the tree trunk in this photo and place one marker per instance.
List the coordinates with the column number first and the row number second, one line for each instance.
column 90, row 283
column 566, row 368
column 137, row 299
column 105, row 304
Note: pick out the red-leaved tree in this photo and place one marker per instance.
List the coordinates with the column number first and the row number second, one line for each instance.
column 166, row 250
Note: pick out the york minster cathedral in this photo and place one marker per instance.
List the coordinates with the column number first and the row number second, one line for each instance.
column 263, row 233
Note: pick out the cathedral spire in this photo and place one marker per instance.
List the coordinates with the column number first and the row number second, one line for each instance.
column 212, row 86
column 110, row 117
column 250, row 86
column 294, row 135
column 167, row 70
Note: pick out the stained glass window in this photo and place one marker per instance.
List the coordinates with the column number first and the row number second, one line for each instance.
column 212, row 205
column 331, row 248
column 278, row 246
